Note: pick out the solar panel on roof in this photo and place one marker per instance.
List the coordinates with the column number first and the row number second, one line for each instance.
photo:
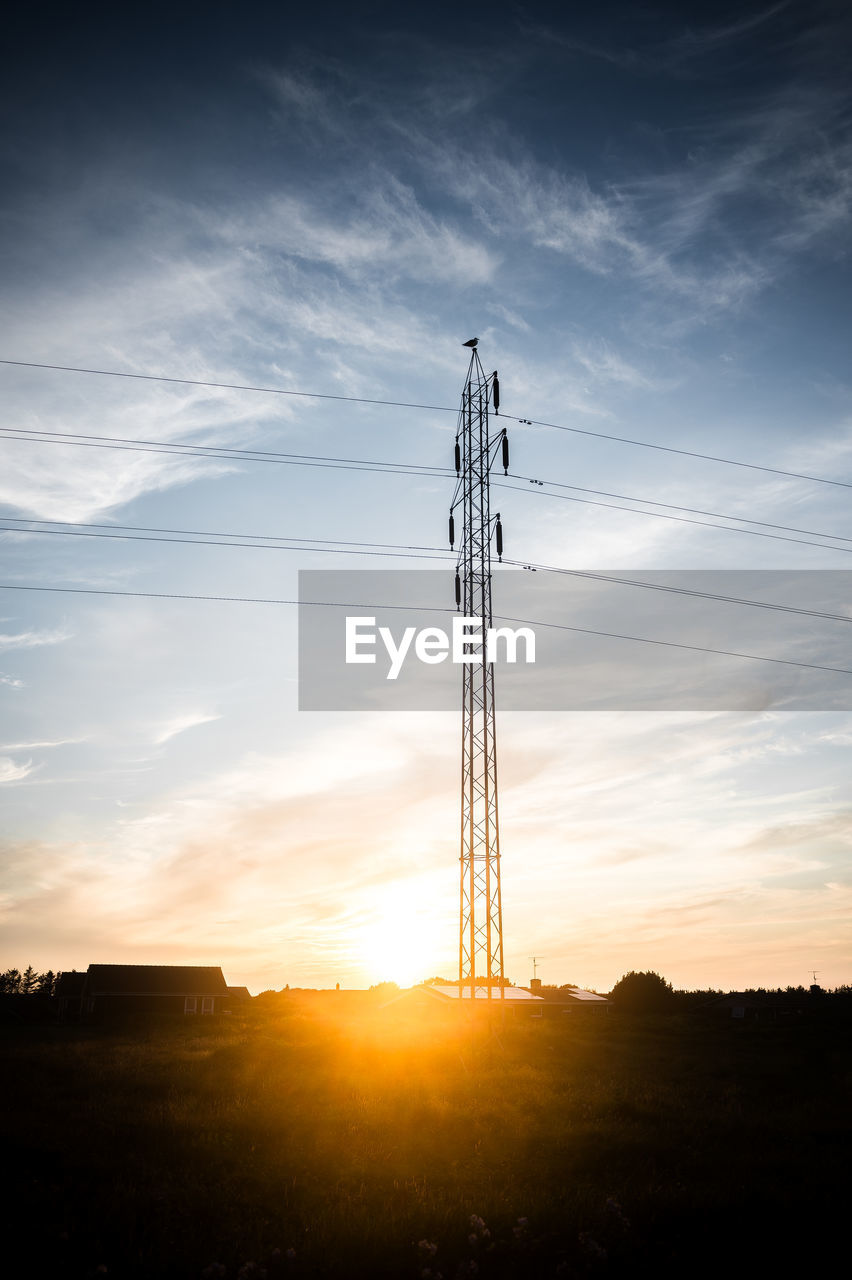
column 481, row 993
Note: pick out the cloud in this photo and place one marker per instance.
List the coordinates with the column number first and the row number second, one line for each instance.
column 32, row 639
column 301, row 850
column 388, row 229
column 12, row 772
column 605, row 365
column 179, row 724
column 698, row 42
column 171, row 306
column 11, row 682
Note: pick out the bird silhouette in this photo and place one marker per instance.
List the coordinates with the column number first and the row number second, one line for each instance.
column 471, row 342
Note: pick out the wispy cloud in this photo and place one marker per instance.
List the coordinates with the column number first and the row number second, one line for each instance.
column 32, row 639
column 697, row 42
column 294, row 837
column 179, row 724
column 678, row 54
column 605, row 365
column 388, row 229
column 12, row 772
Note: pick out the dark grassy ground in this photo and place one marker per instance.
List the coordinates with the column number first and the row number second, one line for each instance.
column 316, row 1143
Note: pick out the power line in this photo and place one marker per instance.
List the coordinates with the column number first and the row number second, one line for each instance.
column 224, row 453
column 662, row 515
column 73, row 437
column 672, row 506
column 361, row 549
column 333, row 546
column 682, row 591
column 225, row 386
column 338, row 604
column 688, row 453
column 330, row 462
column 216, row 533
column 435, row 408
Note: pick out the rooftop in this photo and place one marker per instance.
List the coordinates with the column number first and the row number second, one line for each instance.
column 481, row 993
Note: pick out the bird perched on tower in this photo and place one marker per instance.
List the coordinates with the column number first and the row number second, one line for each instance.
column 471, row 342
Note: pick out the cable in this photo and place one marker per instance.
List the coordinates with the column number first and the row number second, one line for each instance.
column 332, row 546
column 225, row 386
column 685, row 453
column 337, row 604
column 672, row 506
column 72, row 437
column 324, row 462
column 662, row 515
column 249, row 546
column 681, row 591
column 214, row 533
column 435, row 408
column 233, row 455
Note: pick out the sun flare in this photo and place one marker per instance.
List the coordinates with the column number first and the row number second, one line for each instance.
column 400, row 941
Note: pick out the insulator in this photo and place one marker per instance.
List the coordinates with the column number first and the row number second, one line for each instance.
column 458, row 590
column 452, row 531
column 458, row 458
column 496, row 393
column 505, row 453
column 499, row 539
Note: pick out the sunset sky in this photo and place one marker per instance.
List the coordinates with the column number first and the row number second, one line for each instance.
column 643, row 212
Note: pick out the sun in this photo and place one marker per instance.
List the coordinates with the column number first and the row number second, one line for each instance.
column 402, row 937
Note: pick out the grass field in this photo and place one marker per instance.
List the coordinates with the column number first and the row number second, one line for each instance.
column 301, row 1141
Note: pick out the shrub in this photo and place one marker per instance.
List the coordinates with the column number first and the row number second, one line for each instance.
column 642, row 993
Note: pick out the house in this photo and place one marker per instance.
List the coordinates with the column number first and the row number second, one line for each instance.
column 576, row 1000
column 570, row 999
column 110, row 990
column 442, row 997
column 239, row 996
column 746, row 1006
column 68, row 993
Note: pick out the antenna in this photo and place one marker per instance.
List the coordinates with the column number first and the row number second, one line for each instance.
column 535, row 962
column 480, row 904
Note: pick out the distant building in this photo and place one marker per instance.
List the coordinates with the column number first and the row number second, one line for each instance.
column 108, row 990
column 239, row 995
column 68, row 993
column 746, row 1006
column 570, row 999
column 431, row 997
column 576, row 1000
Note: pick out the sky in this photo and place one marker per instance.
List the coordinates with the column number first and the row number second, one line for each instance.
column 643, row 212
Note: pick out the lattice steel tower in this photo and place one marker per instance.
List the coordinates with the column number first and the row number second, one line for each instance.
column 480, row 909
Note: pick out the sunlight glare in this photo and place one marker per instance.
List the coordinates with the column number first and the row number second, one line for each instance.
column 400, row 940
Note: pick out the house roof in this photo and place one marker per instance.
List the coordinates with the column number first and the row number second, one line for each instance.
column 156, row 979
column 70, row 984
column 517, row 995
column 586, row 997
column 744, row 999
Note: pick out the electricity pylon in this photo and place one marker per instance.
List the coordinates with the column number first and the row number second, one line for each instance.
column 480, row 905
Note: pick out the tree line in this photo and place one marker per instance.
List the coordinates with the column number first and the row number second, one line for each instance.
column 28, row 983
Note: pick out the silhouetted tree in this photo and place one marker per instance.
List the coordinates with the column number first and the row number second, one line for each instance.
column 46, row 984
column 29, row 981
column 642, row 993
column 10, row 982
